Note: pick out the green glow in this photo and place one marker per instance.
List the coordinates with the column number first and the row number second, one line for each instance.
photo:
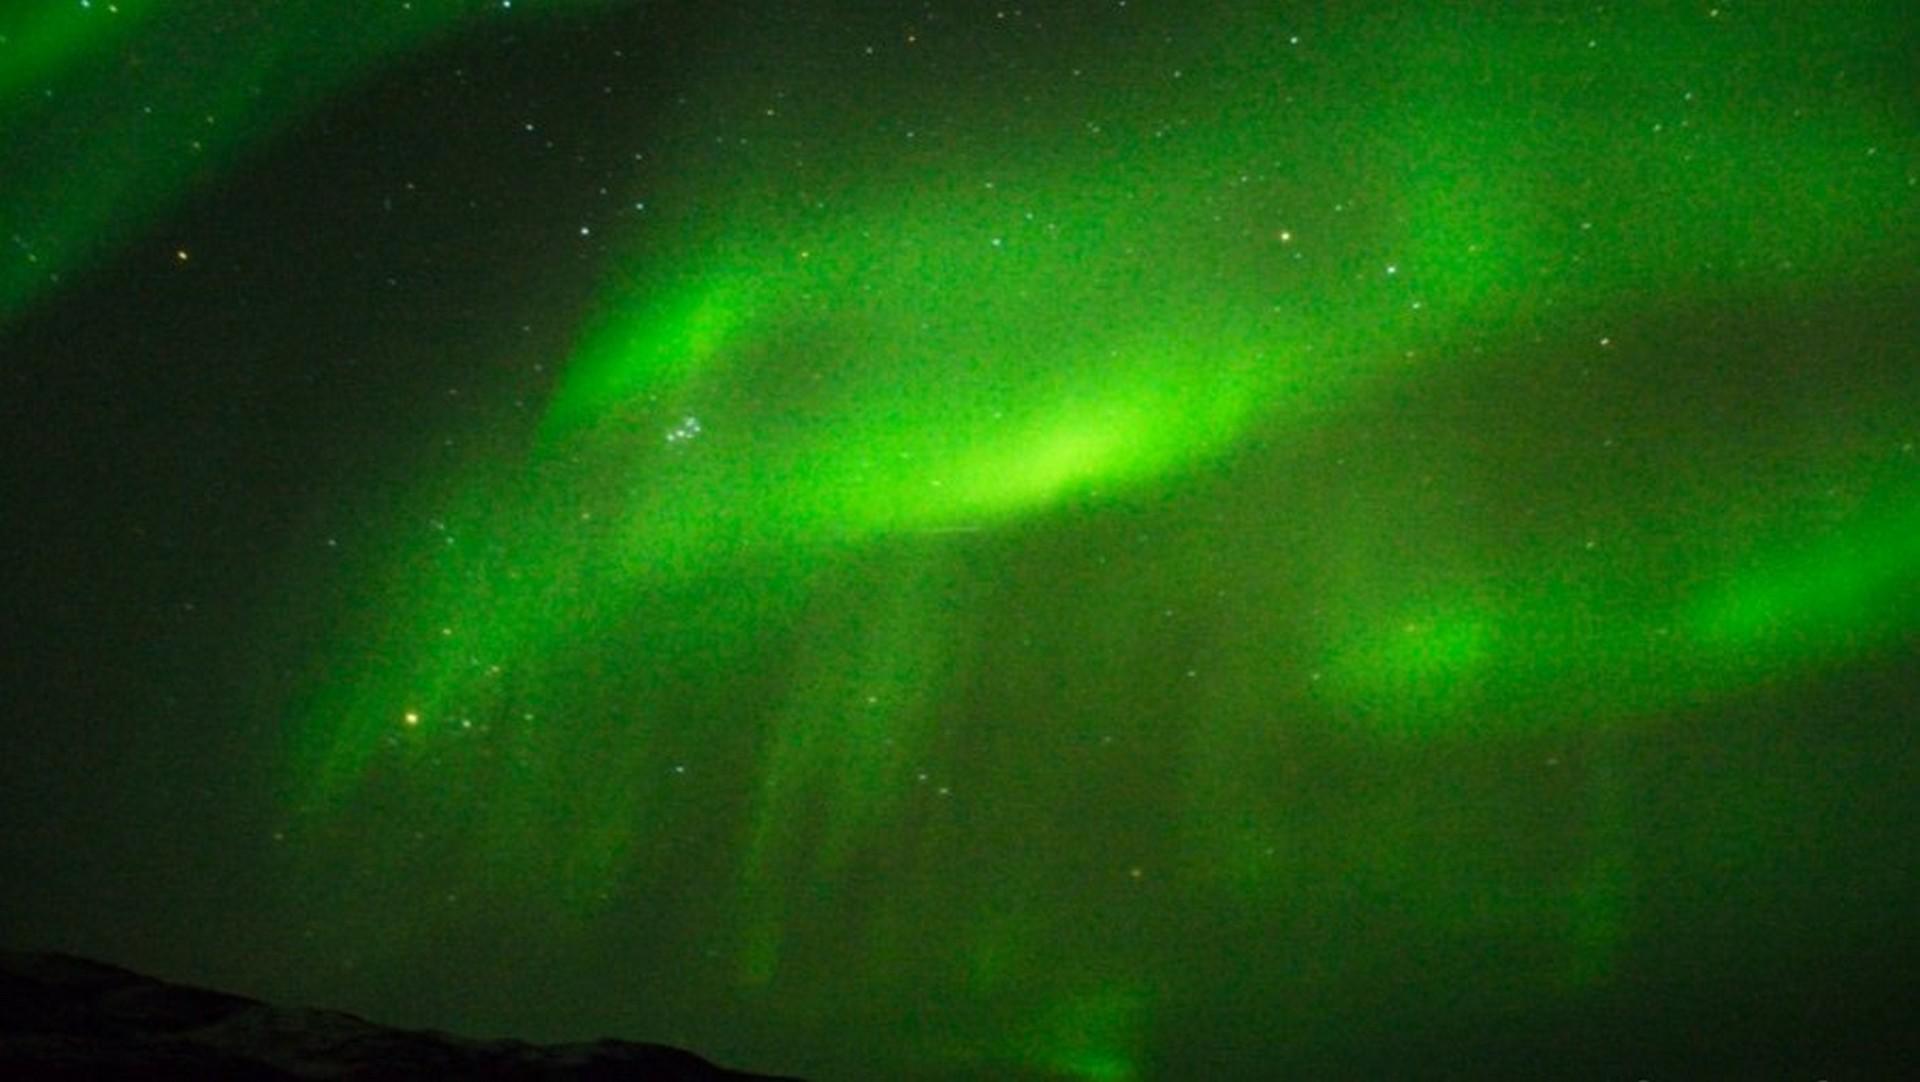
column 1833, row 595
column 112, row 111
column 1091, row 1037
column 1606, row 641
column 768, row 514
column 1427, row 665
column 642, row 358
column 39, row 40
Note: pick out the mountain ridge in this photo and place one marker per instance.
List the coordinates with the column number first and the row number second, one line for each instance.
column 63, row 1016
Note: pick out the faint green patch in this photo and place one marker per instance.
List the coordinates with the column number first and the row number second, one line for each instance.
column 1094, row 1036
column 1807, row 598
column 1422, row 669
column 649, row 351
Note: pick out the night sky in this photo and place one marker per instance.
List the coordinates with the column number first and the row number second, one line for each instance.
column 1097, row 541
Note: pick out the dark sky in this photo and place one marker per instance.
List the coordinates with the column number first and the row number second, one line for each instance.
column 1100, row 541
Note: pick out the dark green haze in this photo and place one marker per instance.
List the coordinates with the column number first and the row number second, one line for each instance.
column 1106, row 541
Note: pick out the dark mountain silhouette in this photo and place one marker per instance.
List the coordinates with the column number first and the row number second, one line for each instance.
column 63, row 1017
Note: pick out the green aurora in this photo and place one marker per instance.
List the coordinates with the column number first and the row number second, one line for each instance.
column 1074, row 469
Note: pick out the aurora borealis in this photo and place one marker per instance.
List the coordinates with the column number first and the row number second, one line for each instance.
column 1107, row 541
